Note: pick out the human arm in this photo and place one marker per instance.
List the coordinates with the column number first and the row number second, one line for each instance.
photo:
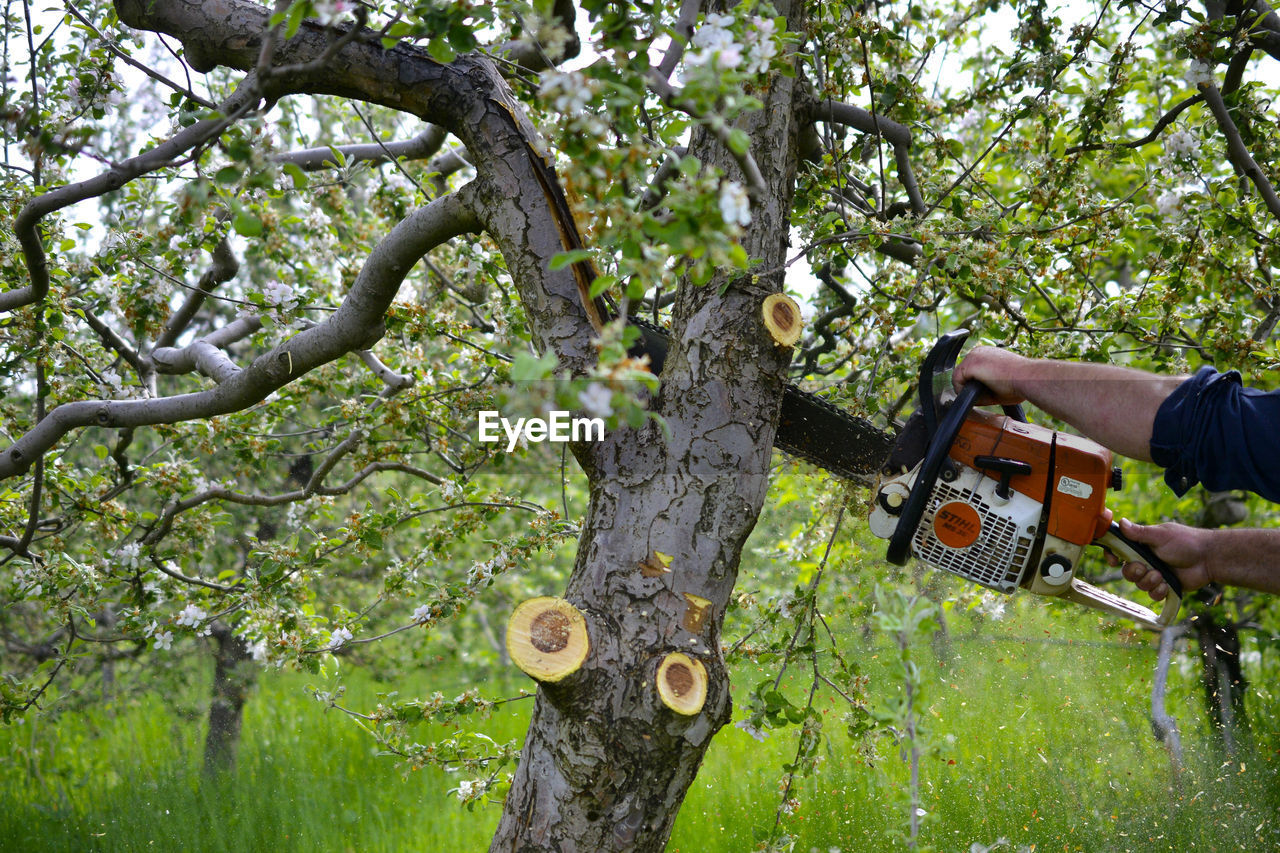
column 1114, row 406
column 1248, row 558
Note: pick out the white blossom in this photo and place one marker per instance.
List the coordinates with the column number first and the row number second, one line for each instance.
column 339, row 638
column 127, row 555
column 258, row 650
column 596, row 400
column 450, row 490
column 421, row 614
column 1180, row 142
column 735, row 206
column 568, row 91
column 761, row 46
column 278, row 293
column 480, row 573
column 1199, row 72
column 718, row 47
column 192, row 617
column 1169, row 204
column 112, row 382
column 751, row 730
column 469, row 788
column 164, row 640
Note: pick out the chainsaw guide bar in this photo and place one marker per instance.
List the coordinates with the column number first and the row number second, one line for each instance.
column 809, row 427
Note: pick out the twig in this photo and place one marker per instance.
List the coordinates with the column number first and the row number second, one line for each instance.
column 1236, row 151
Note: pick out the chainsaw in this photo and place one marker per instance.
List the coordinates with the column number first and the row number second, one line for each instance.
column 1002, row 502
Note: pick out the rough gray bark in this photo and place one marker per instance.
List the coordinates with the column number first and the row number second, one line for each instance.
column 605, row 765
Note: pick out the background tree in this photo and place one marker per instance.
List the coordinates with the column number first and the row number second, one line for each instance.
column 457, row 196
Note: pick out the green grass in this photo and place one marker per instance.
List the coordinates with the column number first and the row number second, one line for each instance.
column 1043, row 740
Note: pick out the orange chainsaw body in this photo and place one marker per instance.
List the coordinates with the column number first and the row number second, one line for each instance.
column 1069, row 474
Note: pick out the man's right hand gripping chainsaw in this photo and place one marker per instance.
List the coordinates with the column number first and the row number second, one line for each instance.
column 1002, row 502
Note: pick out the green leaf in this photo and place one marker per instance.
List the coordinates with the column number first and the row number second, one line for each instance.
column 528, row 368
column 297, row 12
column 441, row 51
column 228, row 175
column 247, row 224
column 294, row 171
column 564, row 259
column 739, row 141
column 601, row 284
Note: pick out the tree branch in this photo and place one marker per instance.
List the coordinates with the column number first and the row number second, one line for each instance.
column 1266, row 31
column 896, row 134
column 526, row 215
column 1236, row 151
column 129, row 60
column 719, row 129
column 205, row 354
column 419, row 147
column 530, row 55
column 346, row 329
column 223, row 269
column 27, row 223
column 683, row 31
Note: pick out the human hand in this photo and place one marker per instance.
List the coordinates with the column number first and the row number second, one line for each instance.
column 996, row 368
column 1185, row 549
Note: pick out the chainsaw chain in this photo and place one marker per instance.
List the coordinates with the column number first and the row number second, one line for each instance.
column 809, row 427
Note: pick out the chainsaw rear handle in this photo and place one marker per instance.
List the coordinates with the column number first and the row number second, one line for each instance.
column 1136, row 552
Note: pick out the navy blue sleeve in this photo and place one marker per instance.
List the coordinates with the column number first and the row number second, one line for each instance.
column 1214, row 431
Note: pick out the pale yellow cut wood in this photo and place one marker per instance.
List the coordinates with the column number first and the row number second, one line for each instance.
column 547, row 638
column 695, row 612
column 782, row 319
column 682, row 683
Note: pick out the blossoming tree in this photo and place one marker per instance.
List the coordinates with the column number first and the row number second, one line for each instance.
column 306, row 241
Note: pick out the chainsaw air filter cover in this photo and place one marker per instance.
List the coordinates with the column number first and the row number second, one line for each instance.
column 970, row 530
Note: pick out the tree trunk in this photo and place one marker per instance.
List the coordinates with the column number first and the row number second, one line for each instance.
column 233, row 676
column 1220, row 673
column 605, row 764
column 1223, row 680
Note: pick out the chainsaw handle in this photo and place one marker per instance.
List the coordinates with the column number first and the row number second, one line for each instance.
column 899, row 550
column 942, row 358
column 940, row 433
column 1133, row 551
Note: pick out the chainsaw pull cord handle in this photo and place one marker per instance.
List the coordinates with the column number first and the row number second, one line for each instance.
column 1137, row 552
